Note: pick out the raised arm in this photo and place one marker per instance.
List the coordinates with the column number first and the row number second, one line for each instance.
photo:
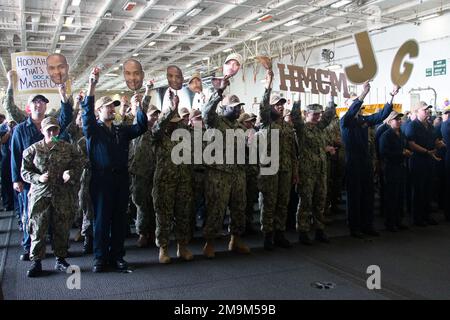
column 379, row 117
column 356, row 106
column 209, row 112
column 140, row 127
column 296, row 115
column 66, row 114
column 88, row 115
column 12, row 111
column 265, row 109
column 160, row 126
column 327, row 117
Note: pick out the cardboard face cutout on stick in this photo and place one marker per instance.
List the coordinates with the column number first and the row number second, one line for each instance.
column 195, row 83
column 232, row 64
column 133, row 74
column 58, row 68
column 175, row 77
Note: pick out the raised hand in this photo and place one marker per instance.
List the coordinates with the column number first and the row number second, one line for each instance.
column 269, row 78
column 43, row 178
column 11, row 75
column 66, row 176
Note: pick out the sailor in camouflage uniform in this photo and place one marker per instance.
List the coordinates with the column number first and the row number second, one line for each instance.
column 313, row 171
column 226, row 185
column 247, row 123
column 142, row 169
column 275, row 189
column 50, row 166
column 172, row 188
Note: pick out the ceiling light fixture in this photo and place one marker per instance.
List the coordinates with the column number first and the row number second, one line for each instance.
column 75, row 3
column 430, row 16
column 135, row 54
column 58, row 51
column 172, row 29
column 62, row 38
column 256, row 38
column 292, row 22
column 151, row 44
column 188, row 65
column 194, row 12
column 228, row 50
column 69, row 21
column 339, row 4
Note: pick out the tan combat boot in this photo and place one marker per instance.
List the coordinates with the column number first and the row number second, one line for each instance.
column 164, row 255
column 142, row 242
column 183, row 252
column 237, row 245
column 208, row 249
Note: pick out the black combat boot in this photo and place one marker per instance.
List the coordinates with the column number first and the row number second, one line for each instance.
column 61, row 264
column 321, row 236
column 268, row 241
column 35, row 270
column 280, row 240
column 304, row 238
column 88, row 245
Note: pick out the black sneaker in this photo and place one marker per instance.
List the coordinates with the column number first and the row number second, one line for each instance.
column 322, row 237
column 99, row 266
column 120, row 265
column 35, row 270
column 268, row 242
column 304, row 238
column 61, row 264
column 281, row 241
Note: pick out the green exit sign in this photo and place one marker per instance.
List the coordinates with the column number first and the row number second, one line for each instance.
column 439, row 67
column 429, row 72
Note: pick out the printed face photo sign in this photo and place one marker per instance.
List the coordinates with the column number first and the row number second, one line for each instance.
column 232, row 64
column 39, row 72
column 368, row 69
column 195, row 85
column 58, row 68
column 133, row 74
column 175, row 77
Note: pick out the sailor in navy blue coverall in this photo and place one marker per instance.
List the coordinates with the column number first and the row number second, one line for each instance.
column 423, row 143
column 358, row 167
column 108, row 154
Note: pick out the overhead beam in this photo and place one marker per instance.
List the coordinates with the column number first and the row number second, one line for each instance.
column 23, row 25
column 59, row 24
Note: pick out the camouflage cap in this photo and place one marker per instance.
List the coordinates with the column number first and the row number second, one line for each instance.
column 105, row 101
column 277, row 99
column 314, row 108
column 49, row 122
column 232, row 101
column 195, row 75
column 152, row 109
column 195, row 114
column 183, row 112
column 234, row 56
